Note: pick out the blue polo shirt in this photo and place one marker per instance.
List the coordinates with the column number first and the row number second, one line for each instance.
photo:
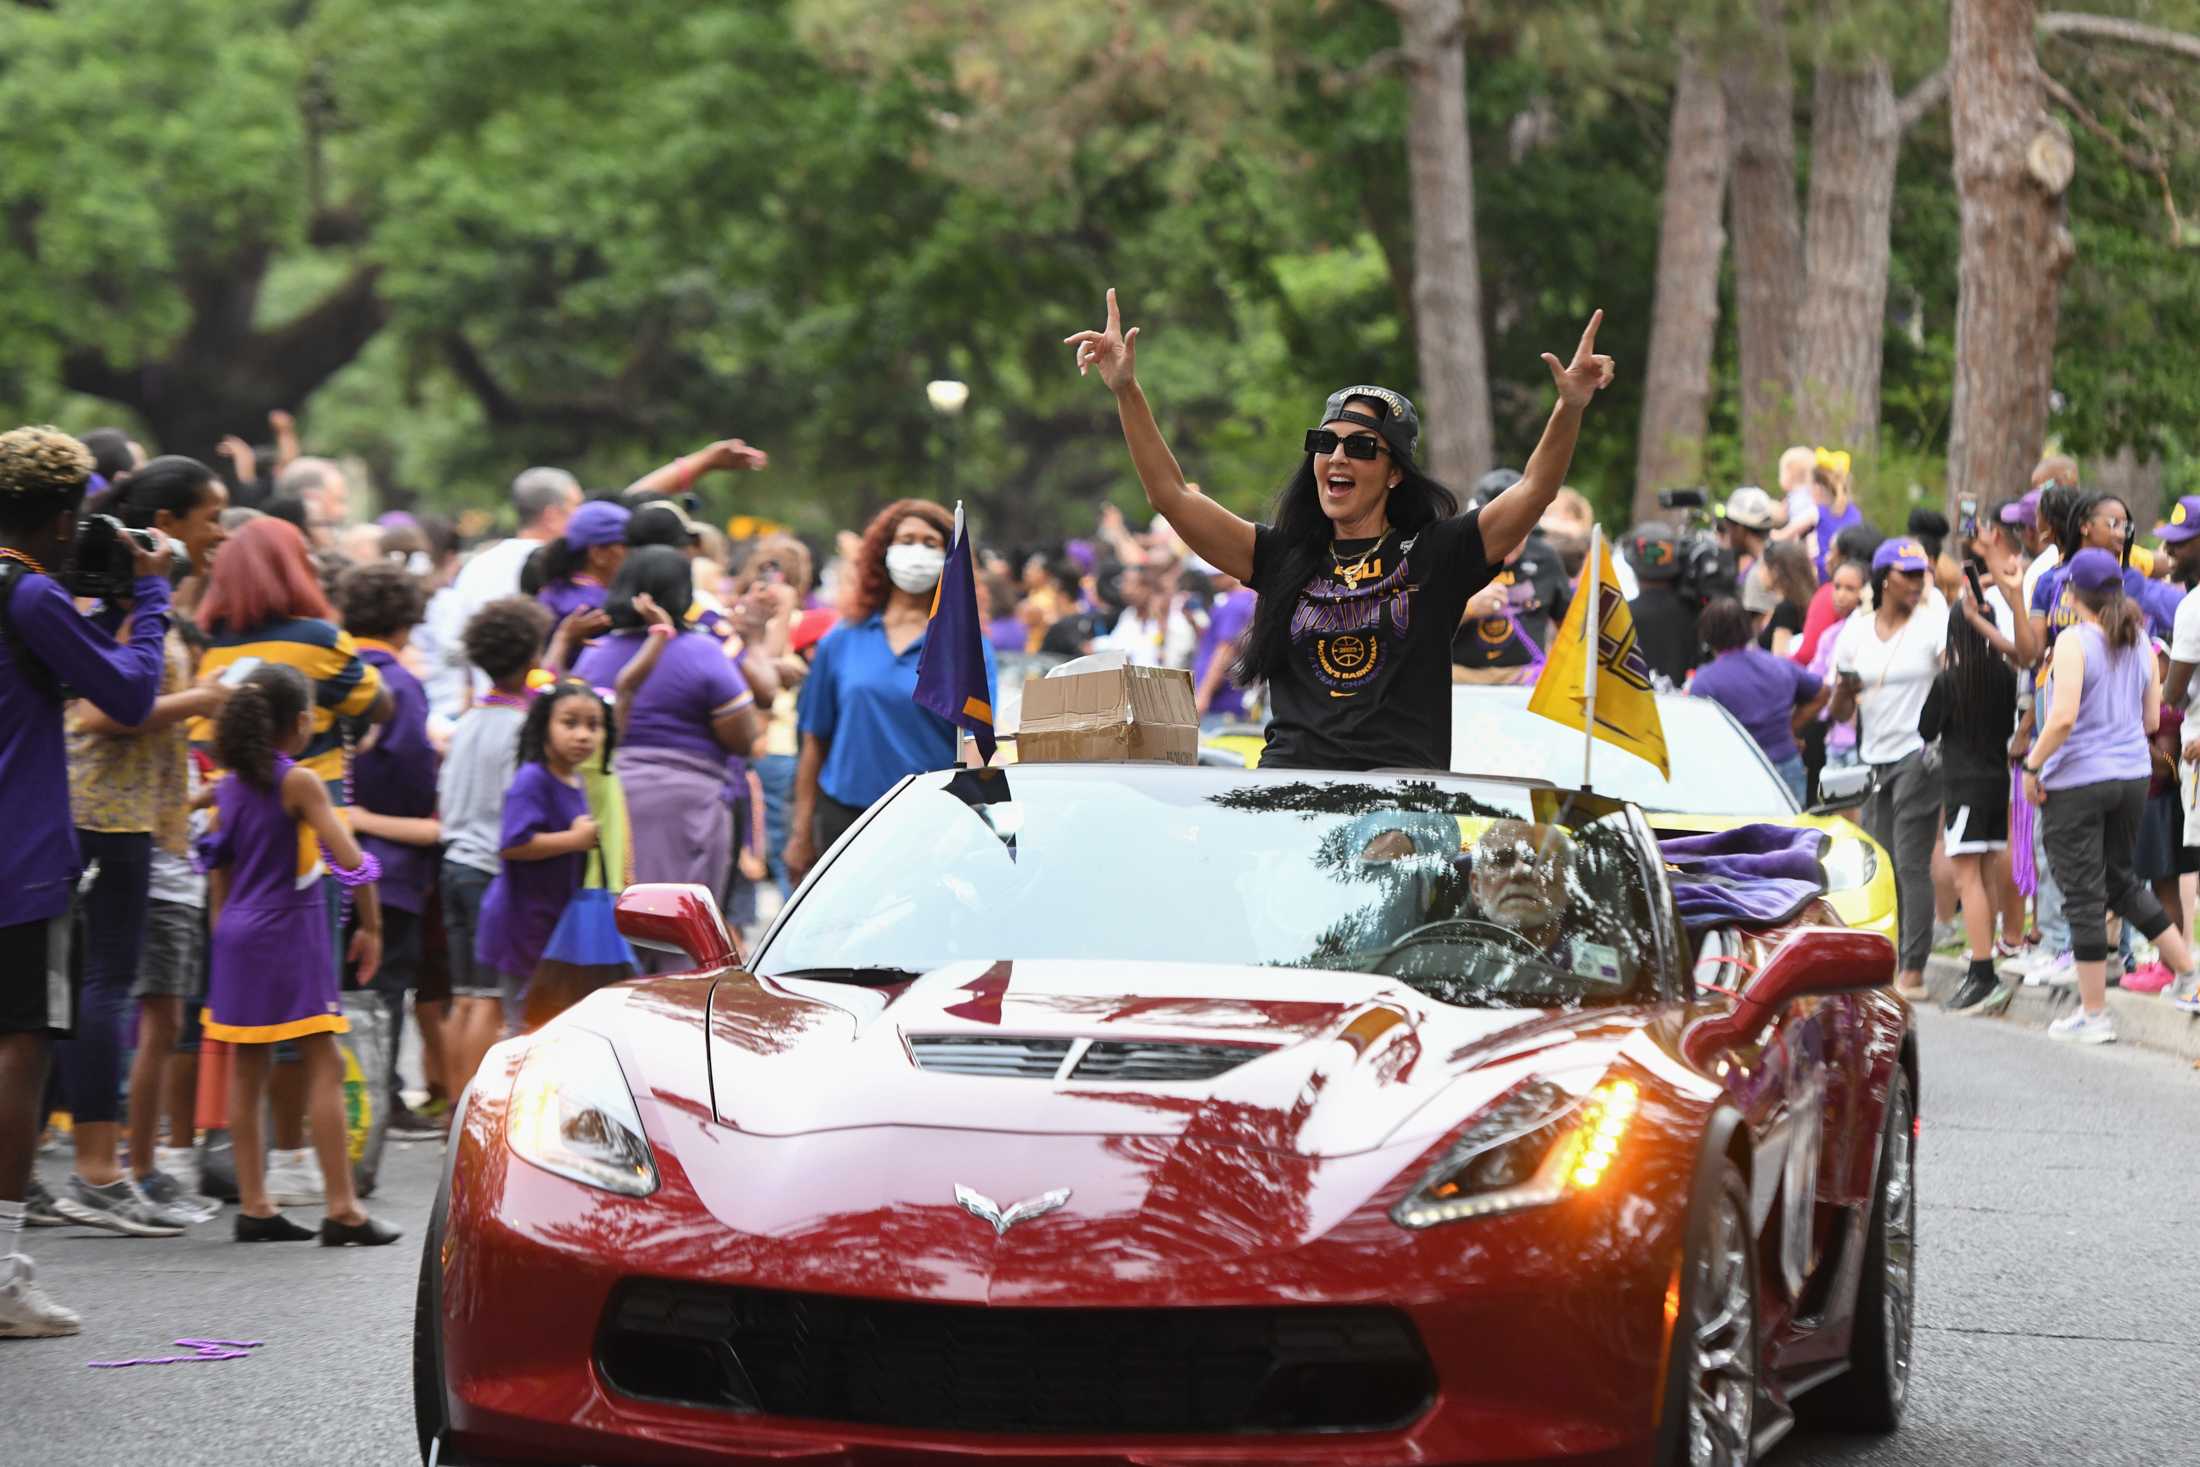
column 861, row 700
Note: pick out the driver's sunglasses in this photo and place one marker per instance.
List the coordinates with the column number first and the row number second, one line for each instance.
column 1359, row 445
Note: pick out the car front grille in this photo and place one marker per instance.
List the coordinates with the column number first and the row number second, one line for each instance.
column 1025, row 1058
column 1115, row 1059
column 1011, row 1058
column 958, row 1367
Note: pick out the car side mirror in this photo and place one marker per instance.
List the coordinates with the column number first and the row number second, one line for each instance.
column 678, row 918
column 1842, row 788
column 1812, row 960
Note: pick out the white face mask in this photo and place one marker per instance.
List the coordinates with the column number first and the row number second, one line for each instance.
column 915, row 568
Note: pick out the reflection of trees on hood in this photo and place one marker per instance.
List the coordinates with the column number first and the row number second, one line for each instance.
column 1315, row 801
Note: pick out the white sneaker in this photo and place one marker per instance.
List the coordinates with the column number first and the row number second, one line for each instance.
column 180, row 1162
column 2019, row 965
column 294, row 1179
column 2059, row 971
column 2185, row 992
column 2079, row 1027
column 26, row 1313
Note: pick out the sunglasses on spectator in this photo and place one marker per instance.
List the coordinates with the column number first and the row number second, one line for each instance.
column 1359, row 445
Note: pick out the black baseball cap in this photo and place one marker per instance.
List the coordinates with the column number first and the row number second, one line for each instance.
column 1393, row 417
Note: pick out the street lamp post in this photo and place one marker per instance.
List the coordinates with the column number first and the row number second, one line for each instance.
column 947, row 397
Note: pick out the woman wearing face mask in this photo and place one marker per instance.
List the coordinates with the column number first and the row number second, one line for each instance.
column 860, row 723
column 1368, row 566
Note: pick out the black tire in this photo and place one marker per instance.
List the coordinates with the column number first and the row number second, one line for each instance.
column 431, row 1418
column 1871, row 1395
column 1713, row 1368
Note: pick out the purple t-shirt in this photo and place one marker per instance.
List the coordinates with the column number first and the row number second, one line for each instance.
column 1227, row 620
column 522, row 906
column 692, row 683
column 395, row 775
column 1761, row 691
column 563, row 598
column 39, row 861
column 2053, row 598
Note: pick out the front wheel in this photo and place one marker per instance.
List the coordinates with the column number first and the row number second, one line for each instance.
column 1711, row 1396
column 1872, row 1395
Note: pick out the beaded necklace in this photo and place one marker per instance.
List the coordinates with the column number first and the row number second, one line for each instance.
column 30, row 563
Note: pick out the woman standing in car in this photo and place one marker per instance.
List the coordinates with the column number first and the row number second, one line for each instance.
column 1364, row 574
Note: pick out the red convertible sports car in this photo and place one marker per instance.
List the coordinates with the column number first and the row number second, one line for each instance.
column 1163, row 1115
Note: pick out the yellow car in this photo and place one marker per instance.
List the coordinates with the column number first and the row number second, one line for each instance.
column 1720, row 779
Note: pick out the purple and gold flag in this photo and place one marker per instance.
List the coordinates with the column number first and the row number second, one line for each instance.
column 951, row 671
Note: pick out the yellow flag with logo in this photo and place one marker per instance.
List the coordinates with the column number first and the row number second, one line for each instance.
column 1617, row 695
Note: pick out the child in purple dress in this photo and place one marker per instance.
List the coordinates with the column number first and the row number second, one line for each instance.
column 546, row 836
column 273, row 822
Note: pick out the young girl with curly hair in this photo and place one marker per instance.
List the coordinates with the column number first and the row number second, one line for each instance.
column 276, row 834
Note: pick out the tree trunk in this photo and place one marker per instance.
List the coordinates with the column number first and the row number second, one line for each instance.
column 1447, row 281
column 1840, row 332
column 223, row 377
column 2012, row 164
column 1684, row 314
column 1768, row 237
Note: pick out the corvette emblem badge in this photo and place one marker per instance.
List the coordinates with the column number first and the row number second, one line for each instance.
column 977, row 1204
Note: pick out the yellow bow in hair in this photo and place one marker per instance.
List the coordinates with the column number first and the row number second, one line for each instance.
column 1836, row 459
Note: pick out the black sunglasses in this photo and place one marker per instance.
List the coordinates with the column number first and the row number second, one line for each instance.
column 1359, row 445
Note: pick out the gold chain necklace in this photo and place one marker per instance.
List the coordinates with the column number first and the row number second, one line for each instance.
column 1353, row 574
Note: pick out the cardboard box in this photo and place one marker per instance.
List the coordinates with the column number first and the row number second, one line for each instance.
column 1109, row 716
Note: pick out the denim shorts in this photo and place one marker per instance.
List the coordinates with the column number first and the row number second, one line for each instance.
column 463, row 889
column 173, row 964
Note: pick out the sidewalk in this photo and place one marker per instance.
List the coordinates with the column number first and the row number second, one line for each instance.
column 2144, row 1019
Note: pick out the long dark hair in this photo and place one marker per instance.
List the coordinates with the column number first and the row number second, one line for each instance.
column 667, row 575
column 534, row 734
column 2121, row 619
column 259, row 711
column 1302, row 538
column 172, row 482
column 2057, row 501
column 1981, row 689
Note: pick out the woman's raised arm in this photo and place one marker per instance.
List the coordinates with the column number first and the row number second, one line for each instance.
column 1213, row 533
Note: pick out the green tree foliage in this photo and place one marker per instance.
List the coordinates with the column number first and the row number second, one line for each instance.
column 601, row 235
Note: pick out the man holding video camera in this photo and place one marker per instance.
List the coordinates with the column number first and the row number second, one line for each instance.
column 49, row 653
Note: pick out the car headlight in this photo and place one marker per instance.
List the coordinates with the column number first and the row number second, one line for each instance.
column 1535, row 1145
column 572, row 1114
column 1850, row 864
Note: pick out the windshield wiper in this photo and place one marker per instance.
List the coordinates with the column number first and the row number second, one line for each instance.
column 868, row 974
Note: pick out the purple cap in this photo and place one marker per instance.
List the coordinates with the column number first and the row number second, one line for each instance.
column 2024, row 511
column 2183, row 523
column 598, row 522
column 1082, row 554
column 1903, row 555
column 398, row 519
column 2092, row 570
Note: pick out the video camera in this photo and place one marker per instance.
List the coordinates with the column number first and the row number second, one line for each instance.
column 106, row 558
column 1705, row 569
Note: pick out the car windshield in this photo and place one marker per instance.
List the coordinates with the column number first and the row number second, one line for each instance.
column 1475, row 892
column 1717, row 768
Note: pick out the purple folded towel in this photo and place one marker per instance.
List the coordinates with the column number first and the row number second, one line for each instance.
column 1750, row 876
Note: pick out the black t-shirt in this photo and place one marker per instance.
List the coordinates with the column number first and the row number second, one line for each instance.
column 1538, row 590
column 1365, row 682
column 1665, row 632
column 1786, row 615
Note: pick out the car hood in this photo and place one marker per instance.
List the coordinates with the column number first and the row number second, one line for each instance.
column 1310, row 1063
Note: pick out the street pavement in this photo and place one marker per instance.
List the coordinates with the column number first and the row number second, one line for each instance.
column 2059, row 1272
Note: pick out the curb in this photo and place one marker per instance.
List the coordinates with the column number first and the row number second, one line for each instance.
column 2144, row 1019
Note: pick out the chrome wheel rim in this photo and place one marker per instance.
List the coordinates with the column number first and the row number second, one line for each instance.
column 1722, row 1384
column 1898, row 1299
